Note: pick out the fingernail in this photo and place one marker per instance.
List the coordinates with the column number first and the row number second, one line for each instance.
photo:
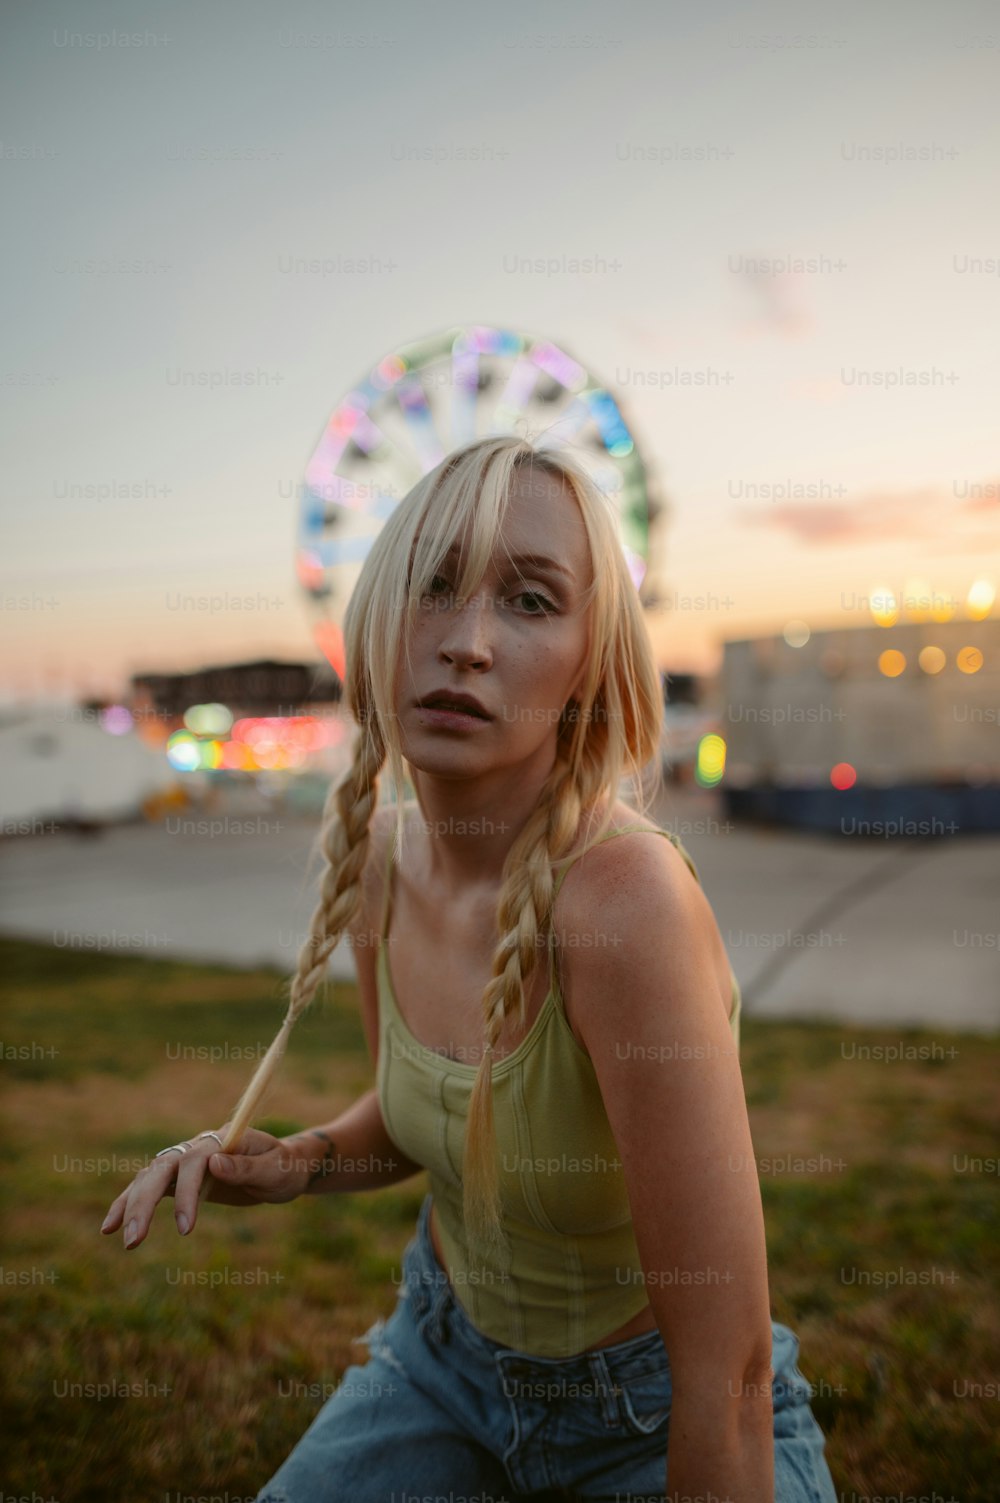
column 182, row 1223
column 106, row 1222
column 130, row 1234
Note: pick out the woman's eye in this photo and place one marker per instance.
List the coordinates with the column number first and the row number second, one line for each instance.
column 543, row 602
column 538, row 604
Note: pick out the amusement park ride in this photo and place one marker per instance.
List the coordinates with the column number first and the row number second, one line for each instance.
column 891, row 727
column 425, row 399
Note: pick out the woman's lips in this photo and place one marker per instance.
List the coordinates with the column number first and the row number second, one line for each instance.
column 455, row 719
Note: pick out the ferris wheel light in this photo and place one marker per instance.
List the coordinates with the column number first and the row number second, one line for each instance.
column 388, row 372
column 636, row 567
column 422, row 401
column 560, row 366
column 344, row 418
column 481, row 340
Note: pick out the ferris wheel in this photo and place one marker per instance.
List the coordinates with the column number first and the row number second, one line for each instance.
column 424, row 400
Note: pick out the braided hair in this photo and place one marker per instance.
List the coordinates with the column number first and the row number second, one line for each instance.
column 611, row 732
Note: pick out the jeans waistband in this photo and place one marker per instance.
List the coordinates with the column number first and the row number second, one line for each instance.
column 632, row 1358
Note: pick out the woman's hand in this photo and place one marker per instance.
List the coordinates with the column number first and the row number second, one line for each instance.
column 264, row 1169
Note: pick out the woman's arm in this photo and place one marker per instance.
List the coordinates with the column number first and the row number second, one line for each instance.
column 646, row 1002
column 353, row 1152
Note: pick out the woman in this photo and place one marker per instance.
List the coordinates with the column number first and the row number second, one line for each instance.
column 581, row 1125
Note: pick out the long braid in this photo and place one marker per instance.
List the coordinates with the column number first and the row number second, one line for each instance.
column 346, row 820
column 524, row 908
column 622, row 707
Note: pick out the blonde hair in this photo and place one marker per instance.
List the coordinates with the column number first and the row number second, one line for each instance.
column 611, row 732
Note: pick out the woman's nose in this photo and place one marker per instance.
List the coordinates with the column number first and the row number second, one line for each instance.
column 468, row 635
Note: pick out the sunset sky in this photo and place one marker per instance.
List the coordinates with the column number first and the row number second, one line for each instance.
column 159, row 189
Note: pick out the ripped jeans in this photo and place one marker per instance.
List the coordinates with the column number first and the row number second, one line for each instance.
column 441, row 1412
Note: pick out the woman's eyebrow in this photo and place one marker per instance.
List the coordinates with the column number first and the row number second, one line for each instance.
column 535, row 560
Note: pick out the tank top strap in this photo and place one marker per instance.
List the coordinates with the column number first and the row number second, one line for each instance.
column 386, row 888
column 609, row 835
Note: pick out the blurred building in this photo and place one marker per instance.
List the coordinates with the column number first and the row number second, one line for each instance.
column 275, row 727
column 67, row 767
column 889, row 726
column 262, row 731
column 686, row 722
column 681, row 688
column 263, row 687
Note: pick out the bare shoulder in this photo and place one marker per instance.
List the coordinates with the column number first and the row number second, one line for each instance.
column 623, row 864
column 625, row 900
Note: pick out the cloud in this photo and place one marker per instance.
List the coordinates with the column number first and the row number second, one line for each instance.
column 929, row 515
column 988, row 501
column 777, row 295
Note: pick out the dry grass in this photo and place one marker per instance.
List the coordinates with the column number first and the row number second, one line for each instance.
column 885, row 1193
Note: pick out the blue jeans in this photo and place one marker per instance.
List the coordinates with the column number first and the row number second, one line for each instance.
column 439, row 1409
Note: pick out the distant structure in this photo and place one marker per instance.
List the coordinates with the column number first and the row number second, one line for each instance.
column 260, row 717
column 261, row 687
column 865, row 730
column 681, row 688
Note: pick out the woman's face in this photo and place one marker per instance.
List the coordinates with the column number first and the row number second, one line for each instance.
column 518, row 644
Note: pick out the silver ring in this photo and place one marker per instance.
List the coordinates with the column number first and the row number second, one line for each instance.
column 174, row 1148
column 214, row 1135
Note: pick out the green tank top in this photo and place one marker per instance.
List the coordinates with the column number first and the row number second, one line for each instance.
column 574, row 1274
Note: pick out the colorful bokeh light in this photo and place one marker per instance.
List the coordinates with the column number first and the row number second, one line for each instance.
column 116, row 720
column 208, row 720
column 710, row 761
column 884, row 606
column 258, row 743
column 891, row 662
column 979, row 600
column 183, row 751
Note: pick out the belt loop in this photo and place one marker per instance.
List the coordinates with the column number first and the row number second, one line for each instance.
column 607, row 1389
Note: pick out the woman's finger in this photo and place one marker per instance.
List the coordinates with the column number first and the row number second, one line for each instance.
column 195, row 1183
column 113, row 1219
column 154, row 1182
column 124, row 1204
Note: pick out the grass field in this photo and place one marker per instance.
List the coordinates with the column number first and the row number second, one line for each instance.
column 878, row 1175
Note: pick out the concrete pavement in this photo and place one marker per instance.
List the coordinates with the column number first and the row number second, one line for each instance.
column 868, row 931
